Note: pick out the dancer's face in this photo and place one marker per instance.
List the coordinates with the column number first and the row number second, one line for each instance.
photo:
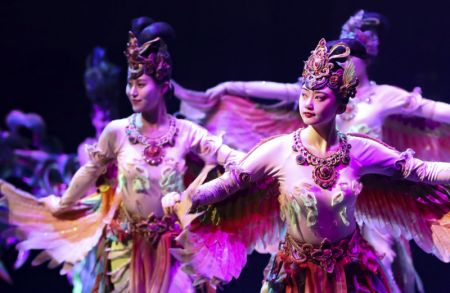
column 318, row 107
column 145, row 94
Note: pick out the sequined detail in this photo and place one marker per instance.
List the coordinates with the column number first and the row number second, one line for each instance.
column 320, row 69
column 151, row 228
column 141, row 184
column 337, row 198
column 404, row 164
column 96, row 155
column 310, row 202
column 171, row 180
column 157, row 64
column 343, row 216
column 324, row 172
column 326, row 254
column 153, row 152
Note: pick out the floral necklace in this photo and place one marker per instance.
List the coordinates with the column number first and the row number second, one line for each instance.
column 324, row 173
column 153, row 152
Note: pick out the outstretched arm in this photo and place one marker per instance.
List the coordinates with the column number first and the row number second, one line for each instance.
column 378, row 158
column 286, row 92
column 414, row 104
column 261, row 162
column 99, row 157
column 210, row 147
column 437, row 111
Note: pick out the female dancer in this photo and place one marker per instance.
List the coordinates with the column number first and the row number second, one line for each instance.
column 130, row 231
column 101, row 80
column 329, row 183
column 400, row 118
column 374, row 111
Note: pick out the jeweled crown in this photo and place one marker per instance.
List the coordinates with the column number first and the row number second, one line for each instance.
column 152, row 58
column 324, row 69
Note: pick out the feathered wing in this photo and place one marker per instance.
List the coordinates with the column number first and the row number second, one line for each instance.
column 5, row 240
column 63, row 239
column 245, row 123
column 413, row 210
column 429, row 139
column 216, row 244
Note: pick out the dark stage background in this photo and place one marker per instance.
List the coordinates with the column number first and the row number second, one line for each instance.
column 44, row 45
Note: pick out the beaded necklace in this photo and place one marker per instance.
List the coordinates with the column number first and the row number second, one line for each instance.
column 153, row 152
column 324, row 173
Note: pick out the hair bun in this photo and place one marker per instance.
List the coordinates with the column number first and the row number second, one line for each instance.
column 139, row 23
column 157, row 29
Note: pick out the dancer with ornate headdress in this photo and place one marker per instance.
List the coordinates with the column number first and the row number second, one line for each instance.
column 101, row 80
column 400, row 118
column 130, row 231
column 375, row 110
column 329, row 184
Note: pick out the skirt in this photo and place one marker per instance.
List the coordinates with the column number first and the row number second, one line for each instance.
column 349, row 265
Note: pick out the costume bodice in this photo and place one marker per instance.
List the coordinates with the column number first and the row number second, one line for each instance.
column 366, row 113
column 141, row 183
column 311, row 212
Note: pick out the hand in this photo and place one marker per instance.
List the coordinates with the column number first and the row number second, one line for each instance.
column 169, row 201
column 217, row 92
column 180, row 205
column 417, row 90
column 53, row 204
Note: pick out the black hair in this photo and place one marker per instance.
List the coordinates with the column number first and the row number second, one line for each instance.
column 146, row 29
column 357, row 49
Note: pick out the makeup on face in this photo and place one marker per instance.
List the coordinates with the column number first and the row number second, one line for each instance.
column 317, row 106
column 144, row 93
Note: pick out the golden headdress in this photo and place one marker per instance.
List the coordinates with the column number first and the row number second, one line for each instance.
column 151, row 58
column 330, row 68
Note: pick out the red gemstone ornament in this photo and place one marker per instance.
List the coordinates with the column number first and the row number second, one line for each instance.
column 324, row 172
column 153, row 152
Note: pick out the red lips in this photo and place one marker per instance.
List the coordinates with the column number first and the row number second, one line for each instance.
column 308, row 114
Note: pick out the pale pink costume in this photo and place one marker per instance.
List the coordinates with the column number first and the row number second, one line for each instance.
column 313, row 214
column 387, row 112
column 137, row 198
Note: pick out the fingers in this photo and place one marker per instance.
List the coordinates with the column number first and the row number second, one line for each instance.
column 216, row 92
column 417, row 90
column 52, row 203
column 169, row 201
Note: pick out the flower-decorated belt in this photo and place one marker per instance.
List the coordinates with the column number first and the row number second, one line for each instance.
column 327, row 254
column 152, row 228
